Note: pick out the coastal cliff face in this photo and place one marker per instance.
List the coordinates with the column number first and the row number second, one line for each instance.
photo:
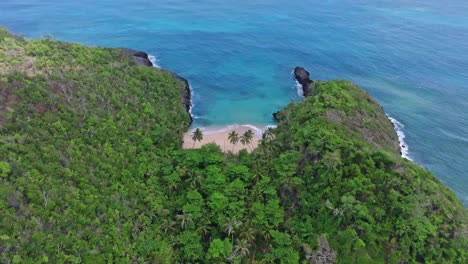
column 142, row 58
column 186, row 96
column 362, row 114
column 139, row 57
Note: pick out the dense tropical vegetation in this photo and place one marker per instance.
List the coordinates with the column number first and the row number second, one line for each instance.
column 91, row 171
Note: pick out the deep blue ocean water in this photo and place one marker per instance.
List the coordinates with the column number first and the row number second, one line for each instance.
column 412, row 55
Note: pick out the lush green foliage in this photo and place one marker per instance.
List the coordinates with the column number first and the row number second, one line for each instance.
column 91, row 171
column 370, row 204
column 81, row 131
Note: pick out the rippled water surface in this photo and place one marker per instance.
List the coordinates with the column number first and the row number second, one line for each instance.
column 238, row 56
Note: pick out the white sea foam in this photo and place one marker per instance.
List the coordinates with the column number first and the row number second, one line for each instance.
column 257, row 130
column 154, row 61
column 401, row 137
column 192, row 104
column 299, row 89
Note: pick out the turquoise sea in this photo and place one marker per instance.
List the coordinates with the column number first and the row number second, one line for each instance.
column 412, row 55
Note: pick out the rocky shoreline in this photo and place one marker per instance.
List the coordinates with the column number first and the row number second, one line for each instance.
column 302, row 76
column 142, row 58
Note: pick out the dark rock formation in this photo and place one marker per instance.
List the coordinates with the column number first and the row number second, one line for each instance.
column 303, row 77
column 141, row 58
column 186, row 96
column 275, row 116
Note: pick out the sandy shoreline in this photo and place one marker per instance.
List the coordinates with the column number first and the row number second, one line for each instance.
column 219, row 136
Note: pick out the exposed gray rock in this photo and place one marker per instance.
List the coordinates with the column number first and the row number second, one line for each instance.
column 139, row 57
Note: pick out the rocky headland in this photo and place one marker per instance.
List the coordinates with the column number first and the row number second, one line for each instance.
column 142, row 58
column 92, row 170
column 303, row 78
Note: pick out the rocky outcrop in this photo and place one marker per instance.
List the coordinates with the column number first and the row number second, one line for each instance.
column 141, row 58
column 303, row 77
column 275, row 116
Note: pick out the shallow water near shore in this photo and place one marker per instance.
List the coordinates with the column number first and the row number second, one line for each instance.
column 238, row 56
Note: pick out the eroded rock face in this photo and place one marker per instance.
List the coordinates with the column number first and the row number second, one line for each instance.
column 275, row 116
column 139, row 57
column 303, row 77
column 186, row 96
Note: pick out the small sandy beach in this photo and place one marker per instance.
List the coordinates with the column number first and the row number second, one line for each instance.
column 219, row 136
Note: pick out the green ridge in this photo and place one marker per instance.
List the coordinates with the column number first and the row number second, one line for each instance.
column 91, row 171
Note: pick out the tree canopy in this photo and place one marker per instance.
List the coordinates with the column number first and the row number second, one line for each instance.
column 92, row 171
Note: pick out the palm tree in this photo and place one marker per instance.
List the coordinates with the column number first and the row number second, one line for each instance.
column 231, row 225
column 168, row 225
column 204, row 228
column 181, row 171
column 197, row 136
column 248, row 234
column 266, row 235
column 246, row 138
column 233, row 139
column 268, row 135
column 185, row 220
column 242, row 248
column 195, row 180
column 256, row 176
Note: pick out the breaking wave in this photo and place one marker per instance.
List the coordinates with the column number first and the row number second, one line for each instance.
column 401, row 137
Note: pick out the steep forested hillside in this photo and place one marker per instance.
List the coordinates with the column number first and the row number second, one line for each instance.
column 91, row 171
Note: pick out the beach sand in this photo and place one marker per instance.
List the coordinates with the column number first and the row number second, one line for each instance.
column 219, row 136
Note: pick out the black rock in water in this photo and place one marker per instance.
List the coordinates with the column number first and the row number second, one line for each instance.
column 303, row 77
column 275, row 116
